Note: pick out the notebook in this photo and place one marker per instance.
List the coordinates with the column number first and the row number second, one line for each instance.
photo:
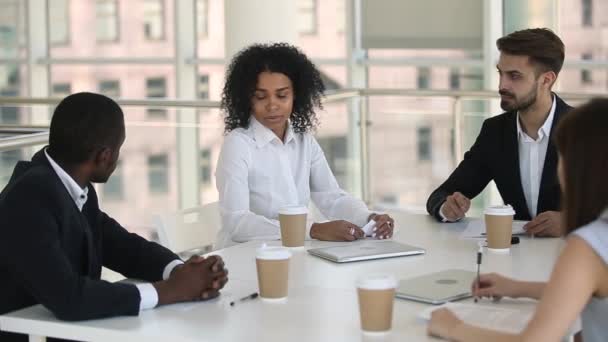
column 437, row 288
column 365, row 250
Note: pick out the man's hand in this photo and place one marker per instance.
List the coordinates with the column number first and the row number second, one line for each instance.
column 198, row 278
column 548, row 223
column 455, row 206
column 336, row 231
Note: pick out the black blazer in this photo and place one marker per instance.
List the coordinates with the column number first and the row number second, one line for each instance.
column 495, row 156
column 51, row 253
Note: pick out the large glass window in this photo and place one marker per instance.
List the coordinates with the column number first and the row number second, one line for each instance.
column 334, row 148
column 158, row 173
column 202, row 18
column 424, row 143
column 110, row 88
column 205, row 166
column 154, row 20
column 62, row 89
column 113, row 189
column 59, row 23
column 12, row 28
column 9, row 115
column 307, row 17
column 106, row 20
column 587, row 12
column 586, row 77
column 156, row 87
column 454, row 79
column 10, row 82
column 424, row 78
column 203, row 87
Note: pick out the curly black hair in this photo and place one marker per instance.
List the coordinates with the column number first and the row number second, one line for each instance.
column 242, row 78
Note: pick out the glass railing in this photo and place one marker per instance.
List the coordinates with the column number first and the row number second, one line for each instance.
column 411, row 141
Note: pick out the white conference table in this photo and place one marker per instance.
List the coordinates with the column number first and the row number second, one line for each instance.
column 322, row 303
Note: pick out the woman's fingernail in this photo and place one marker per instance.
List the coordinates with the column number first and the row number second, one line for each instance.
column 373, row 230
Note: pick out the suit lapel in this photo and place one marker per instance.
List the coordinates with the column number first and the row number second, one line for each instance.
column 512, row 158
column 549, row 175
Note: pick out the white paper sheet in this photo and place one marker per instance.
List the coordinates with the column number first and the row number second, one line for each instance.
column 476, row 229
column 490, row 317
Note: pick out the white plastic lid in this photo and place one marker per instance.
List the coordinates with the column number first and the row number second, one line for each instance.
column 293, row 210
column 500, row 210
column 377, row 282
column 273, row 253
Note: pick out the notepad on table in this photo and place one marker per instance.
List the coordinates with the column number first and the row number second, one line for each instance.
column 490, row 317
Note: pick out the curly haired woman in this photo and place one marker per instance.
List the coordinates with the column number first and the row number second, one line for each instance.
column 270, row 159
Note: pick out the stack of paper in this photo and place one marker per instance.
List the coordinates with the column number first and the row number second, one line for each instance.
column 490, row 317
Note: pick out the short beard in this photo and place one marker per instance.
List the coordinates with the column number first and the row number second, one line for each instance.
column 522, row 105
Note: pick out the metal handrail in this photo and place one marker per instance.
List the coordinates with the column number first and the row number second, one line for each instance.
column 24, row 140
column 332, row 96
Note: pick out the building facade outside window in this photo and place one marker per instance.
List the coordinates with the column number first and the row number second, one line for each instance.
column 106, row 20
column 59, row 27
column 158, row 173
column 307, row 17
column 154, row 20
column 424, row 143
column 156, row 87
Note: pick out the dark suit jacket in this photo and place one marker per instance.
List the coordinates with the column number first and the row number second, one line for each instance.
column 495, row 156
column 51, row 253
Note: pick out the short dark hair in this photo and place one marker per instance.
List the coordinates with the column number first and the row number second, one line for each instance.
column 544, row 47
column 83, row 123
column 242, row 78
column 581, row 141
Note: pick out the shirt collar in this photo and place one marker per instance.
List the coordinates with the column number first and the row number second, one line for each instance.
column 264, row 135
column 78, row 194
column 545, row 129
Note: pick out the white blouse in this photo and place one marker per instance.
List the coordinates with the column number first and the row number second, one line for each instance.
column 257, row 174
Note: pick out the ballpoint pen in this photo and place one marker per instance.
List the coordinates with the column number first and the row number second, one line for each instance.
column 479, row 252
column 247, row 297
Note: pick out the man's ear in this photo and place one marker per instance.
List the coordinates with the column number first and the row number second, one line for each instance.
column 548, row 79
column 103, row 155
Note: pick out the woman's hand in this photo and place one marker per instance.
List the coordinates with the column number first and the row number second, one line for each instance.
column 384, row 226
column 494, row 286
column 442, row 323
column 336, row 231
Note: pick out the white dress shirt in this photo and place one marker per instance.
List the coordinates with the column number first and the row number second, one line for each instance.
column 532, row 155
column 257, row 173
column 147, row 292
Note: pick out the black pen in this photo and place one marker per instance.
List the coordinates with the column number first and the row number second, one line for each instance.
column 251, row 296
column 514, row 240
column 479, row 252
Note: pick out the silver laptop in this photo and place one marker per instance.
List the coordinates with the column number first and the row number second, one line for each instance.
column 365, row 250
column 437, row 288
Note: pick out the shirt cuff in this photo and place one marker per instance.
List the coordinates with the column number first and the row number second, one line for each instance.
column 169, row 268
column 148, row 295
column 364, row 218
column 443, row 218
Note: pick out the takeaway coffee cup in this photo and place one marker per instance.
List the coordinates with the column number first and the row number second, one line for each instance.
column 499, row 223
column 376, row 294
column 293, row 225
column 273, row 271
